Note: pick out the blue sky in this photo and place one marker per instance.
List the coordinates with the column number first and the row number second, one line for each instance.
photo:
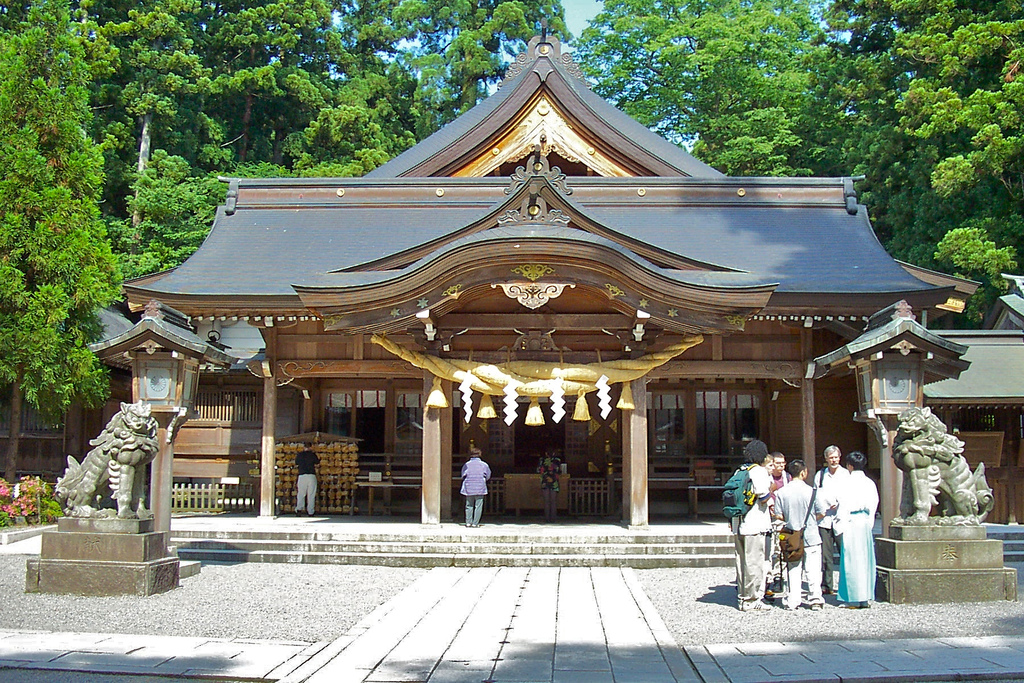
column 579, row 12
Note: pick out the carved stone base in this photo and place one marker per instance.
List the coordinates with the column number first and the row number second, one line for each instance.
column 942, row 564
column 103, row 557
column 93, row 577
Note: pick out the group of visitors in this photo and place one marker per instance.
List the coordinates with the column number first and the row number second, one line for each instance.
column 832, row 510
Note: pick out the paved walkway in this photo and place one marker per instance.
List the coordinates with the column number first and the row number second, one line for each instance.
column 502, row 625
column 512, row 625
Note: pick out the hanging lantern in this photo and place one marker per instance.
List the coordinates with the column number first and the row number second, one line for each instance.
column 582, row 412
column 486, row 411
column 534, row 416
column 625, row 398
column 437, row 399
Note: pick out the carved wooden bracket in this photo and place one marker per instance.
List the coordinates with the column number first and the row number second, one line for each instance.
column 532, row 294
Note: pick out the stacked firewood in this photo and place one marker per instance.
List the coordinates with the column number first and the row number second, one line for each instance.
column 336, row 475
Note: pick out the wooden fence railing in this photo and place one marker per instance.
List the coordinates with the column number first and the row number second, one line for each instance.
column 214, row 497
column 589, row 497
column 494, row 502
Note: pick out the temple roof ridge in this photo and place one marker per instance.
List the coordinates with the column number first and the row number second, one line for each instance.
column 544, row 77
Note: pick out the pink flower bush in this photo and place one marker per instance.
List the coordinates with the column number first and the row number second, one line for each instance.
column 31, row 498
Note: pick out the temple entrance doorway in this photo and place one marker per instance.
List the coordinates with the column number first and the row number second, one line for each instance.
column 533, row 441
column 588, row 491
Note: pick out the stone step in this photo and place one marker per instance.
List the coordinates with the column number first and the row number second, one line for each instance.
column 482, row 535
column 189, row 568
column 524, row 547
column 457, row 559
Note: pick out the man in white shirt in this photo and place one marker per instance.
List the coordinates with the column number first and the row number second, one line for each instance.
column 750, row 530
column 830, row 481
column 793, row 505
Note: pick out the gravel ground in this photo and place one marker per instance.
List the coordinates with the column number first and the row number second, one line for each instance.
column 699, row 608
column 312, row 603
column 299, row 602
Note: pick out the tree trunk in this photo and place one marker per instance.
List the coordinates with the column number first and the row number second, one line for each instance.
column 14, row 442
column 246, row 119
column 145, row 140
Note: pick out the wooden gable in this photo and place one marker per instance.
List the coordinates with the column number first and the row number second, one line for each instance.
column 545, row 100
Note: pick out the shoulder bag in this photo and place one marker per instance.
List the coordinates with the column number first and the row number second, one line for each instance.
column 791, row 541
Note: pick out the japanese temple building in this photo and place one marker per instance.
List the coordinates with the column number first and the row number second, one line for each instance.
column 547, row 229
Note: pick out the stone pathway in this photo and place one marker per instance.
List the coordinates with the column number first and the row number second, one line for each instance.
column 558, row 625
column 511, row 625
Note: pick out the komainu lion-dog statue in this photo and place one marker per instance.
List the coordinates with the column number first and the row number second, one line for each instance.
column 936, row 476
column 117, row 461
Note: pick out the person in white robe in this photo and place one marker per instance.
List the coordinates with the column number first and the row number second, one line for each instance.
column 855, row 519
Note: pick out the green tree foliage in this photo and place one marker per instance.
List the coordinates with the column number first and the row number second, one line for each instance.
column 730, row 77
column 174, row 209
column 913, row 79
column 56, row 268
column 459, row 48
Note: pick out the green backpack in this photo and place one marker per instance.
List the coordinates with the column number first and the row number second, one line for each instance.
column 738, row 496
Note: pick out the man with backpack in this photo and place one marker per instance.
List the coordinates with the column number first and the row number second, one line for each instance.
column 745, row 502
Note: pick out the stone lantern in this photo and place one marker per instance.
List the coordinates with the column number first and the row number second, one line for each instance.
column 165, row 355
column 893, row 359
column 100, row 550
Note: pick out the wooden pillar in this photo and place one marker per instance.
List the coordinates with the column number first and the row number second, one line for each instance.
column 891, row 484
column 446, row 456
column 430, row 508
column 267, row 459
column 807, row 403
column 627, row 461
column 161, row 475
column 636, row 432
column 307, row 408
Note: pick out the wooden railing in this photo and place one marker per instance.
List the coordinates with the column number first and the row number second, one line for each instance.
column 229, row 405
column 214, row 497
column 589, row 497
column 494, row 503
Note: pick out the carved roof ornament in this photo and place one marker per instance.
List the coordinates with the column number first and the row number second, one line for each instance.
column 533, row 294
column 903, row 310
column 533, row 271
column 538, row 166
column 544, row 46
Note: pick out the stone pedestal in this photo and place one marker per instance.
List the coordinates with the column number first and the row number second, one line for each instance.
column 103, row 557
column 938, row 564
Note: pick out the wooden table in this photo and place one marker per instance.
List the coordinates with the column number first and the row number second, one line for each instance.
column 693, row 492
column 372, row 485
column 523, row 491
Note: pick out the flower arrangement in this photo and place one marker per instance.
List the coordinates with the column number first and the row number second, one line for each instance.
column 31, row 499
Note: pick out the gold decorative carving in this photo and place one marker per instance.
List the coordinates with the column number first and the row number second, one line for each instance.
column 559, row 136
column 613, row 290
column 739, row 321
column 531, row 294
column 453, row 291
column 395, row 313
column 644, row 303
column 533, row 271
column 673, row 313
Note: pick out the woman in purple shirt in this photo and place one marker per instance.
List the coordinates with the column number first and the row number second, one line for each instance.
column 475, row 474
